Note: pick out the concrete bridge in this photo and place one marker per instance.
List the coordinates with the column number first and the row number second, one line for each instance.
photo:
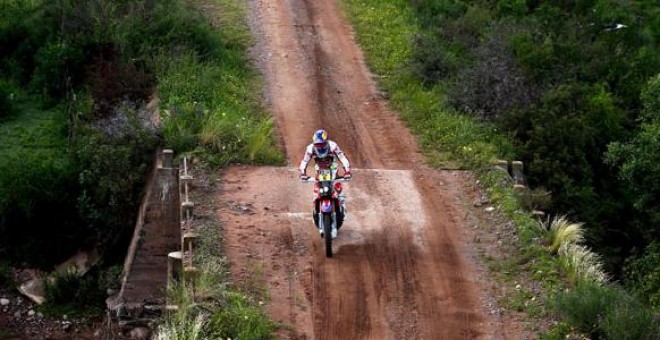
column 142, row 296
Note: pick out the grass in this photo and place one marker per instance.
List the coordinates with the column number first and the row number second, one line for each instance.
column 581, row 264
column 385, row 32
column 212, row 106
column 67, row 293
column 212, row 309
column 561, row 231
column 34, row 131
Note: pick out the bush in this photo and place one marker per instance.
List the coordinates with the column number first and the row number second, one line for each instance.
column 605, row 311
column 113, row 171
column 6, row 275
column 629, row 320
column 7, row 94
column 52, row 63
column 493, row 84
column 113, row 82
column 642, row 275
column 240, row 319
column 38, row 224
column 67, row 293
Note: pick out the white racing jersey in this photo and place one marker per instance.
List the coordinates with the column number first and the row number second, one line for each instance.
column 326, row 162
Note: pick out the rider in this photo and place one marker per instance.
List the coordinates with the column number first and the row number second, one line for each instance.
column 325, row 153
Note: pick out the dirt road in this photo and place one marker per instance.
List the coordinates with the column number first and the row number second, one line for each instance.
column 402, row 268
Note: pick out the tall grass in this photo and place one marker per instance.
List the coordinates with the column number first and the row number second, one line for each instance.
column 561, row 231
column 581, row 264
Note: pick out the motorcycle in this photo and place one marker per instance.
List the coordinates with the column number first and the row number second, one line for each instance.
column 328, row 211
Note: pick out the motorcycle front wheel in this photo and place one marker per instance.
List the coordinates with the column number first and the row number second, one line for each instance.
column 327, row 230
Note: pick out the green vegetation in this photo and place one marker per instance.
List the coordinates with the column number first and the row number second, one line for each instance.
column 563, row 81
column 562, row 231
column 6, row 275
column 559, row 86
column 71, row 295
column 212, row 309
column 643, row 275
column 77, row 141
column 77, row 136
column 607, row 312
column 217, row 117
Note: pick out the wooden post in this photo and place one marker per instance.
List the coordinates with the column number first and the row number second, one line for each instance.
column 188, row 242
column 190, row 275
column 502, row 165
column 518, row 176
column 187, row 210
column 168, row 156
column 174, row 267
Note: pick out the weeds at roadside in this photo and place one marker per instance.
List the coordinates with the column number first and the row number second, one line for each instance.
column 560, row 231
column 212, row 309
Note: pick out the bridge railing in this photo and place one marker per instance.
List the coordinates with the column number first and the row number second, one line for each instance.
column 181, row 265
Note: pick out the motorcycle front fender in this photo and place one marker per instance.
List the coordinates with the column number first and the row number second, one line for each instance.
column 326, row 206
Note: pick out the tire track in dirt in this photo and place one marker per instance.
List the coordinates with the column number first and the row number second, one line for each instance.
column 401, row 268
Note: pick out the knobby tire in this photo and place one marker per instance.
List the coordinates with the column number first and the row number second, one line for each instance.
column 327, row 230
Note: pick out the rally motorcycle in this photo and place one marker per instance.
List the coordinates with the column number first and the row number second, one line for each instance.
column 328, row 211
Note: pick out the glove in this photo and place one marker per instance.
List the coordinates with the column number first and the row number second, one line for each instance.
column 347, row 174
column 303, row 177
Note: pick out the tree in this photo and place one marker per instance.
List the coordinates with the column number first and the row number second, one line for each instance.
column 638, row 161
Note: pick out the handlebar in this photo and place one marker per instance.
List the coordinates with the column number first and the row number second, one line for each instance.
column 337, row 179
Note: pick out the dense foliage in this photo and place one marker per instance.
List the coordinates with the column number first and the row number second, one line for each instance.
column 425, row 52
column 568, row 81
column 606, row 312
column 77, row 141
column 72, row 161
column 77, row 138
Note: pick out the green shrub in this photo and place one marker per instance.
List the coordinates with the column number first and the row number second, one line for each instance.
column 630, row 320
column 7, row 95
column 607, row 312
column 585, row 305
column 39, row 221
column 538, row 199
column 67, row 293
column 52, row 62
column 240, row 319
column 6, row 275
column 110, row 278
column 166, row 27
column 642, row 275
column 112, row 173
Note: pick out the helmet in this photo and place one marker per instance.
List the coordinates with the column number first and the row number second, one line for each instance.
column 320, row 140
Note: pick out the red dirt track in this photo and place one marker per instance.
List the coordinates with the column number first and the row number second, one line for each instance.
column 402, row 267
